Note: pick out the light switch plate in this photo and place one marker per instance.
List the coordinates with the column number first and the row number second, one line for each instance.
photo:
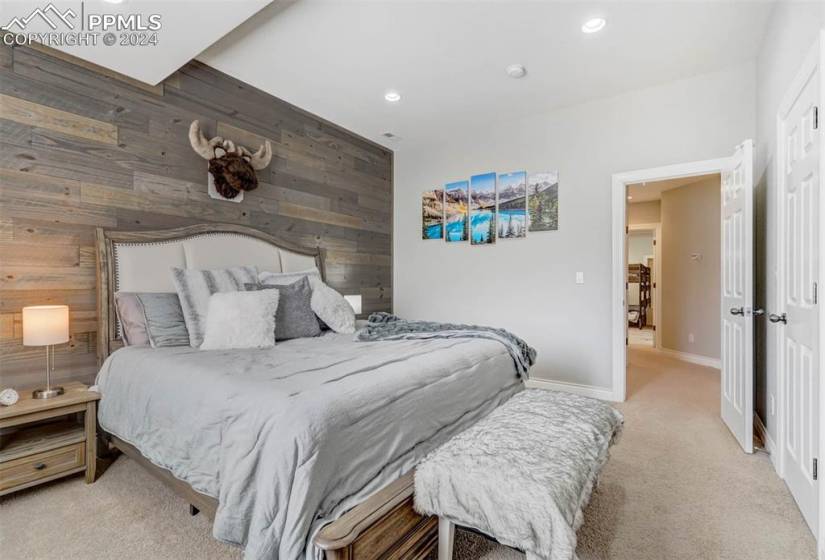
column 580, row 278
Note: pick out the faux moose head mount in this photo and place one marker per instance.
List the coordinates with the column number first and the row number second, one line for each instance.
column 232, row 167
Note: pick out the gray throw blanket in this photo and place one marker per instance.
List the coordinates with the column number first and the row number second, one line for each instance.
column 385, row 326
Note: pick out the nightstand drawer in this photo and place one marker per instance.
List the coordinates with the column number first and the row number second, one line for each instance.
column 42, row 465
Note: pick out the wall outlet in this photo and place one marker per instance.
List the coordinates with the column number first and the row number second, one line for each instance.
column 580, row 278
column 771, row 405
column 691, row 338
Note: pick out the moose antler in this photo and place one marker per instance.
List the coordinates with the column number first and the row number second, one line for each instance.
column 206, row 148
column 262, row 157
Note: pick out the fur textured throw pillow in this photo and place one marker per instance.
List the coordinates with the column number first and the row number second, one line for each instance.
column 241, row 320
column 328, row 305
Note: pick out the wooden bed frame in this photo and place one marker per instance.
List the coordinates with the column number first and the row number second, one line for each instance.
column 384, row 526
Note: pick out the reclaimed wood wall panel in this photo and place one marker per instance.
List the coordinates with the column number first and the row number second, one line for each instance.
column 82, row 147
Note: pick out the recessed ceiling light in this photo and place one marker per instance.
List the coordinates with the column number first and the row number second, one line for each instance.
column 392, row 96
column 594, row 25
column 114, row 1
column 516, row 71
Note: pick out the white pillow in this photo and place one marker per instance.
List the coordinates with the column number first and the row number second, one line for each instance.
column 241, row 320
column 326, row 303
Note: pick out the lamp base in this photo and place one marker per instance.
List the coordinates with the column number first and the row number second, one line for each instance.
column 47, row 393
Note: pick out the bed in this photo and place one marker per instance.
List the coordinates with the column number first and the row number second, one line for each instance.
column 301, row 451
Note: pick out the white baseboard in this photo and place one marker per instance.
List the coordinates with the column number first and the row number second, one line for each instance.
column 692, row 358
column 770, row 445
column 576, row 388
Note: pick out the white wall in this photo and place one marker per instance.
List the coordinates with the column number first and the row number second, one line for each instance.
column 691, row 287
column 639, row 246
column 644, row 212
column 792, row 29
column 528, row 286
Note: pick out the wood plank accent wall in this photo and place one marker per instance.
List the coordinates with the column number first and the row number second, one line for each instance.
column 81, row 147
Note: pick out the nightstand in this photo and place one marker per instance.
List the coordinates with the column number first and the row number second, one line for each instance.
column 45, row 439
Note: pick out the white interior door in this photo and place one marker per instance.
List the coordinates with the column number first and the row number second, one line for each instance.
column 737, row 295
column 798, row 317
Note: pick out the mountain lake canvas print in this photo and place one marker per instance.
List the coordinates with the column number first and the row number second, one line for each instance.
column 432, row 214
column 483, row 209
column 456, row 223
column 543, row 201
column 512, row 205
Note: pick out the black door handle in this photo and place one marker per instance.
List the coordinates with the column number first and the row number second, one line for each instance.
column 737, row 310
column 774, row 318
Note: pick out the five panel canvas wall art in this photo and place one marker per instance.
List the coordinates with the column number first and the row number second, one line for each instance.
column 491, row 206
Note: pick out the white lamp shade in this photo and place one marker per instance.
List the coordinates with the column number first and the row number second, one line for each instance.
column 45, row 324
column 355, row 303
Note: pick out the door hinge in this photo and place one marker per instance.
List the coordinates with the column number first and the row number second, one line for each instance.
column 627, row 229
column 816, row 294
column 816, row 118
column 654, row 242
column 654, row 285
column 816, row 469
column 626, row 343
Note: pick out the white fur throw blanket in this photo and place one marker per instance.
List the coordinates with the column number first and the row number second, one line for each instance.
column 524, row 473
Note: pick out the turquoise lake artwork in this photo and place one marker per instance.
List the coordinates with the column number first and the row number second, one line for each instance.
column 456, row 223
column 432, row 214
column 483, row 209
column 512, row 205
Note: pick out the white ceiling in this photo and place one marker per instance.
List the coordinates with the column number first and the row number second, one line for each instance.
column 447, row 58
column 645, row 192
column 187, row 27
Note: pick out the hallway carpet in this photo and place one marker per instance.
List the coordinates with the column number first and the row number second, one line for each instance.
column 676, row 488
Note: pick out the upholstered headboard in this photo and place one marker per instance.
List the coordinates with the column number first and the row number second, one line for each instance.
column 140, row 261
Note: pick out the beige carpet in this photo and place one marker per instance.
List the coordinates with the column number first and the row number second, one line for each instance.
column 677, row 487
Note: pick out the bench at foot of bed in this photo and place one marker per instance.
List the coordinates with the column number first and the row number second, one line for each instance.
column 522, row 475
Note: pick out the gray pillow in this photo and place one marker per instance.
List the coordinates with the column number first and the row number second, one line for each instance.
column 294, row 317
column 195, row 287
column 151, row 319
column 164, row 320
column 329, row 306
column 132, row 319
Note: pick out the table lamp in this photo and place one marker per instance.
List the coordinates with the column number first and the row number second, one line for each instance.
column 46, row 325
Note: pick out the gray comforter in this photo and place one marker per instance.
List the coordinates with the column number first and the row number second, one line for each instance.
column 289, row 438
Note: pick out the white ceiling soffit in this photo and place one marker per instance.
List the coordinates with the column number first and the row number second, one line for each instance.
column 447, row 59
column 187, row 27
column 644, row 192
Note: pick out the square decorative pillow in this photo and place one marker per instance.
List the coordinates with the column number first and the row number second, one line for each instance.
column 165, row 324
column 328, row 305
column 241, row 320
column 154, row 319
column 295, row 318
column 195, row 287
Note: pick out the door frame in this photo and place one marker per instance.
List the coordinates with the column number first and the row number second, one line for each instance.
column 814, row 61
column 656, row 228
column 618, row 197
